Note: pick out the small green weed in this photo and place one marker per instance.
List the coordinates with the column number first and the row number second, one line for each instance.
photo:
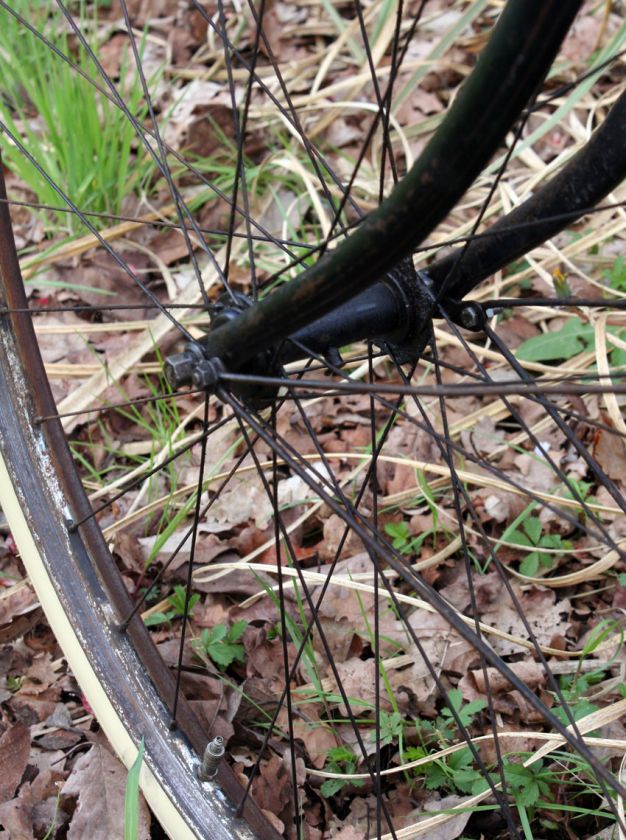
column 178, row 600
column 400, row 536
column 177, row 603
column 531, row 535
column 562, row 287
column 402, row 539
column 221, row 644
column 527, row 785
column 296, row 635
column 575, row 687
column 444, row 728
column 455, row 772
column 391, row 728
column 340, row 760
column 131, row 797
column 616, row 275
column 574, row 337
column 14, row 683
column 576, row 488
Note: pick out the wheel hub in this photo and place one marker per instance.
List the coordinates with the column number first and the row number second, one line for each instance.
column 394, row 314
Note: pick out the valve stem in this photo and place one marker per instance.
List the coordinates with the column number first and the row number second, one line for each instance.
column 213, row 754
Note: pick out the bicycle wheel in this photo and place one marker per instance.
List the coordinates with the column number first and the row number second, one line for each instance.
column 377, row 704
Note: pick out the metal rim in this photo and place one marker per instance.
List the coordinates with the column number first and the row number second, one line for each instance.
column 42, row 496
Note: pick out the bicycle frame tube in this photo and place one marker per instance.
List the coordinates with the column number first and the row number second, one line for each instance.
column 394, row 311
column 590, row 175
column 522, row 46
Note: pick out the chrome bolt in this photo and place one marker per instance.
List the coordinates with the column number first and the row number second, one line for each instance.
column 213, row 754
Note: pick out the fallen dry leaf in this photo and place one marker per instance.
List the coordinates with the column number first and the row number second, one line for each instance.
column 531, row 673
column 449, row 830
column 610, row 453
column 99, row 781
column 16, row 601
column 14, row 750
column 272, row 789
column 16, row 815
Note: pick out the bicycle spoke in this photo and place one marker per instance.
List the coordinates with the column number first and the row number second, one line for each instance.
column 383, row 112
column 414, row 580
column 192, row 554
column 477, row 643
column 162, row 165
column 98, row 409
column 461, row 497
column 289, row 113
column 243, row 414
column 136, row 482
column 139, row 220
column 458, row 494
column 284, row 246
column 240, row 127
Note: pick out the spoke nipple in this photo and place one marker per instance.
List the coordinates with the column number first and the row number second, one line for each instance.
column 173, row 725
column 71, row 525
column 213, row 754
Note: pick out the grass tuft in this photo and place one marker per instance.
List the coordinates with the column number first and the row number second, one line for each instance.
column 83, row 141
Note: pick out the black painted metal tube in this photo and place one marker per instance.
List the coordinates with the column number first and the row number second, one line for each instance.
column 392, row 311
column 590, row 175
column 512, row 65
column 375, row 313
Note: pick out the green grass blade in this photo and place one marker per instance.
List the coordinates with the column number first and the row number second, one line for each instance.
column 131, row 798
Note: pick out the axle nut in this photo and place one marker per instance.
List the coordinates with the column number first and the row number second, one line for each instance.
column 206, row 374
column 472, row 317
column 179, row 367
